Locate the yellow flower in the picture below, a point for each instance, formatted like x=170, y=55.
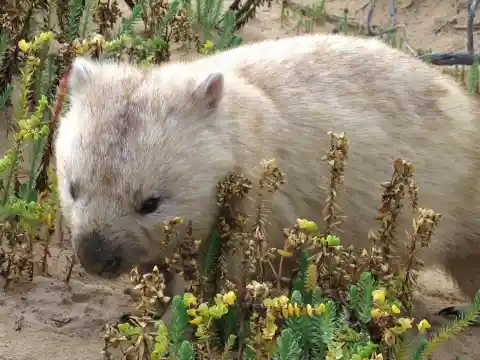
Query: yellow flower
x=203, y=309
x=283, y=300
x=376, y=313
x=320, y=309
x=290, y=309
x=296, y=309
x=201, y=330
x=395, y=309
x=24, y=46
x=206, y=47
x=423, y=325
x=379, y=296
x=284, y=253
x=192, y=312
x=208, y=44
x=285, y=311
x=405, y=323
x=196, y=321
x=189, y=299
x=268, y=302
x=46, y=36
x=269, y=332
x=230, y=298
x=309, y=310
x=309, y=226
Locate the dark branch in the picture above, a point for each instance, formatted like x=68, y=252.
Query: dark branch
x=393, y=11
x=472, y=8
x=370, y=17
x=450, y=58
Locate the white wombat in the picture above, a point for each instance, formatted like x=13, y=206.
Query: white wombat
x=140, y=145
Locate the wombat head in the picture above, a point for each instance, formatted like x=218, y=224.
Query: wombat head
x=137, y=147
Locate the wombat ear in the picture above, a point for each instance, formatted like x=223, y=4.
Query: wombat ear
x=210, y=90
x=81, y=72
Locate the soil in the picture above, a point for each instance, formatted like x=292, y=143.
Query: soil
x=46, y=319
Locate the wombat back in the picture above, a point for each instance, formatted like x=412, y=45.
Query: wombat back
x=282, y=97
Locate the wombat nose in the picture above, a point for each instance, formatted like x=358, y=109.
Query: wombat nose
x=97, y=256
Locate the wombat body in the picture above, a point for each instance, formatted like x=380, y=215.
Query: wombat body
x=141, y=145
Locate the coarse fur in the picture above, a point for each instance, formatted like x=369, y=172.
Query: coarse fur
x=171, y=132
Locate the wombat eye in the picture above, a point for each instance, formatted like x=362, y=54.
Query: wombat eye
x=149, y=205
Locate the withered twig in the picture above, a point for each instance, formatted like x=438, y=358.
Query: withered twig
x=370, y=17
x=472, y=8
x=392, y=10
x=42, y=179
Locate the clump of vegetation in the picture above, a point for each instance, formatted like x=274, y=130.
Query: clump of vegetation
x=341, y=302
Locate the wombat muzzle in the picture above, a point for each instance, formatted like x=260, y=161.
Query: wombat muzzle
x=97, y=256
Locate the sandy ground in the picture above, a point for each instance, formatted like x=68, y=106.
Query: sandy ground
x=46, y=319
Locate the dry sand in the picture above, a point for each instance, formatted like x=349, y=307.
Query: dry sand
x=46, y=319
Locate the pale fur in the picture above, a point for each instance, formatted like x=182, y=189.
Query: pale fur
x=132, y=132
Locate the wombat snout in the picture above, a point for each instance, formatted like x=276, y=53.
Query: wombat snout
x=97, y=256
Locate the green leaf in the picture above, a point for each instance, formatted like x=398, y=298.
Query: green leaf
x=186, y=351
x=178, y=325
x=366, y=285
x=287, y=346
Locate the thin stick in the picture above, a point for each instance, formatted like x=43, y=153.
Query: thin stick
x=392, y=11
x=472, y=8
x=370, y=17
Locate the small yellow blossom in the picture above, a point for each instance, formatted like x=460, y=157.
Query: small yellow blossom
x=379, y=296
x=203, y=309
x=320, y=309
x=309, y=310
x=192, y=312
x=208, y=44
x=196, y=320
x=46, y=36
x=395, y=309
x=283, y=300
x=201, y=330
x=405, y=322
x=285, y=311
x=24, y=46
x=269, y=331
x=270, y=303
x=230, y=298
x=290, y=309
x=423, y=325
x=284, y=253
x=404, y=325
x=376, y=313
x=307, y=225
x=206, y=47
x=296, y=309
x=189, y=300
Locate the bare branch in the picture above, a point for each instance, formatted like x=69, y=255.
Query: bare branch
x=476, y=26
x=392, y=10
x=472, y=8
x=370, y=17
x=452, y=21
x=365, y=4
x=450, y=58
